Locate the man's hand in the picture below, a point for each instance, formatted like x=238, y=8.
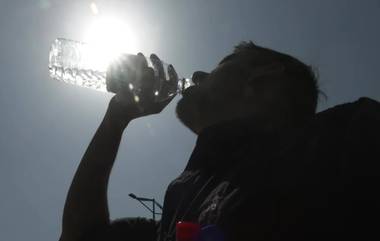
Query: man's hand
x=135, y=100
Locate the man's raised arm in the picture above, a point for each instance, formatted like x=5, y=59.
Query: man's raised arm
x=86, y=207
x=86, y=203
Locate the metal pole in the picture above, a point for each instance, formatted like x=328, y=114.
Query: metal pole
x=154, y=210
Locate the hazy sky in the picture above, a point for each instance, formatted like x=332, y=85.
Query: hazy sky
x=46, y=125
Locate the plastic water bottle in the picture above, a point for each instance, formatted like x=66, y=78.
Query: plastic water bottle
x=84, y=65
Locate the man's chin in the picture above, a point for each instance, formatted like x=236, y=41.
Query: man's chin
x=188, y=113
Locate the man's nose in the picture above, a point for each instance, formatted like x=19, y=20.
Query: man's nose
x=199, y=76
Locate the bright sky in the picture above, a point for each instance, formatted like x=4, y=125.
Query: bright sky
x=46, y=126
x=108, y=37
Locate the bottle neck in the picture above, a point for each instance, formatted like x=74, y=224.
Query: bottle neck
x=184, y=83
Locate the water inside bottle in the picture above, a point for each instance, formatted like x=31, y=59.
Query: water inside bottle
x=75, y=62
x=82, y=64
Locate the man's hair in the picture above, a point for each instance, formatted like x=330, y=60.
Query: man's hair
x=301, y=82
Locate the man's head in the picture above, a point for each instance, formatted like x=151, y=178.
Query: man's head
x=275, y=89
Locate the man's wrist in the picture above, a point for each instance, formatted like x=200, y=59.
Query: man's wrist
x=114, y=122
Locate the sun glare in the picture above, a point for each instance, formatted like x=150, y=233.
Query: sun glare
x=108, y=38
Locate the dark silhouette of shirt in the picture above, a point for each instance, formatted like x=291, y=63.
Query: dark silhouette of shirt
x=314, y=182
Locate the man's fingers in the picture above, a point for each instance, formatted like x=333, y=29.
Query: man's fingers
x=148, y=84
x=160, y=78
x=170, y=86
x=142, y=60
x=158, y=66
x=173, y=79
x=173, y=76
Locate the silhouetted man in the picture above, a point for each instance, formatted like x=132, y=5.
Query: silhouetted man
x=265, y=166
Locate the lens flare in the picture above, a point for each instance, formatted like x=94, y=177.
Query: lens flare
x=94, y=8
x=109, y=37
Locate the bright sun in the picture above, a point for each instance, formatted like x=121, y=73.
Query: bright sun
x=108, y=38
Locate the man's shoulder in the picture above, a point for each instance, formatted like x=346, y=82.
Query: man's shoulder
x=359, y=112
x=366, y=109
x=362, y=105
x=350, y=133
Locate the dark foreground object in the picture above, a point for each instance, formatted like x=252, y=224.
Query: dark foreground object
x=316, y=182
